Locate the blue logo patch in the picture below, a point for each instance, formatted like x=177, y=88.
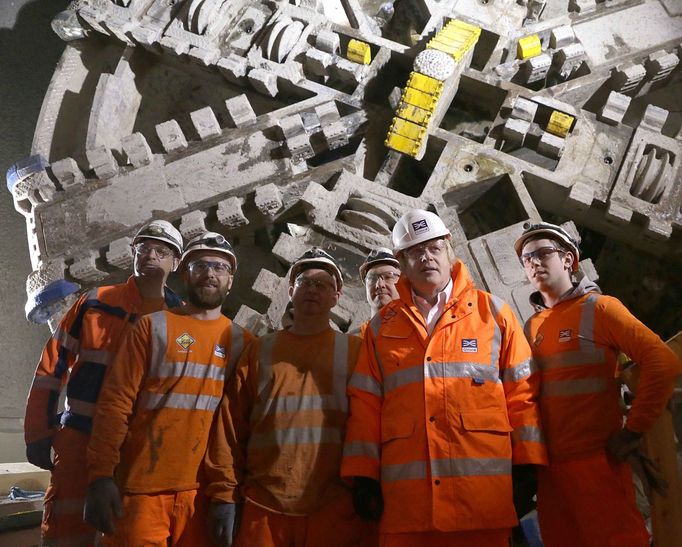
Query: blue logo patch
x=219, y=351
x=420, y=227
x=469, y=345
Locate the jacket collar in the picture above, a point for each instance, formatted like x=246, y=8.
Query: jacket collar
x=581, y=287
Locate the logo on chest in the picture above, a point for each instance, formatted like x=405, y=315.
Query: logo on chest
x=565, y=335
x=219, y=351
x=469, y=345
x=185, y=341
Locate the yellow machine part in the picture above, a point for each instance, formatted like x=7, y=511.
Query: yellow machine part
x=413, y=113
x=529, y=46
x=560, y=123
x=407, y=129
x=359, y=52
x=425, y=83
x=420, y=99
x=402, y=144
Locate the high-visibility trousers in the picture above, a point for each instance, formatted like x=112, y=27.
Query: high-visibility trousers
x=589, y=502
x=335, y=525
x=63, y=523
x=472, y=538
x=166, y=519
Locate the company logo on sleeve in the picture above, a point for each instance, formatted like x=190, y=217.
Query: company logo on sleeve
x=185, y=341
x=420, y=227
x=219, y=351
x=469, y=345
x=565, y=335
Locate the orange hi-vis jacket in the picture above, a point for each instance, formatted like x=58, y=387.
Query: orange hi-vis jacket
x=78, y=354
x=575, y=345
x=440, y=419
x=159, y=399
x=278, y=438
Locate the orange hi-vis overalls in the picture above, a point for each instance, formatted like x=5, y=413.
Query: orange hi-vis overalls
x=77, y=356
x=440, y=419
x=584, y=497
x=278, y=441
x=153, y=419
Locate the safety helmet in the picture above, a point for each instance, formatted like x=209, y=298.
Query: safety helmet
x=551, y=231
x=415, y=227
x=316, y=257
x=380, y=255
x=163, y=231
x=211, y=241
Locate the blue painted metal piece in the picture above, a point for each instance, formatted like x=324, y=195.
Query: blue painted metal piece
x=38, y=306
x=23, y=168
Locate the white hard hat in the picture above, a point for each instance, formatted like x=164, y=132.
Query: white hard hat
x=551, y=231
x=415, y=227
x=211, y=241
x=163, y=231
x=380, y=255
x=316, y=257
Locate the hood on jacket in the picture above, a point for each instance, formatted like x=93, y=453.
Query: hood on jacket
x=580, y=288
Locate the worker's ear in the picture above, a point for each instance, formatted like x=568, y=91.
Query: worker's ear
x=291, y=292
x=176, y=263
x=569, y=259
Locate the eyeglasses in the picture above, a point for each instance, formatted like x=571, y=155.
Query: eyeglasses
x=309, y=283
x=390, y=278
x=145, y=249
x=201, y=267
x=435, y=247
x=542, y=255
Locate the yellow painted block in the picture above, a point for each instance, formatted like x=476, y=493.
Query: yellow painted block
x=359, y=52
x=407, y=129
x=413, y=114
x=434, y=43
x=402, y=144
x=419, y=98
x=560, y=123
x=529, y=46
x=425, y=83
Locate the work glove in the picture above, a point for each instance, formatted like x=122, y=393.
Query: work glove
x=223, y=522
x=623, y=443
x=525, y=486
x=39, y=453
x=367, y=499
x=649, y=473
x=102, y=504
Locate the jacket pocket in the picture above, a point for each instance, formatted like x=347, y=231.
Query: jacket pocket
x=493, y=422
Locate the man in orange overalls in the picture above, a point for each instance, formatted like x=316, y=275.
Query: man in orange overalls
x=586, y=496
x=155, y=411
x=77, y=356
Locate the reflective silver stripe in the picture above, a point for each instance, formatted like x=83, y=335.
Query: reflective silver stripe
x=99, y=356
x=470, y=467
x=47, y=382
x=589, y=353
x=528, y=433
x=403, y=471
x=185, y=401
x=190, y=370
x=68, y=506
x=63, y=338
x=80, y=407
x=403, y=377
x=496, y=304
x=375, y=324
x=236, y=348
x=461, y=370
x=361, y=448
x=340, y=370
x=296, y=435
x=583, y=386
x=366, y=383
x=91, y=294
x=518, y=372
x=265, y=363
x=159, y=334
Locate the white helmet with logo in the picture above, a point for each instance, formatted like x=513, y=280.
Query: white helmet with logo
x=316, y=257
x=380, y=255
x=211, y=241
x=163, y=231
x=417, y=226
x=550, y=231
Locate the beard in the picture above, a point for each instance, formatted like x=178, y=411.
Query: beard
x=207, y=298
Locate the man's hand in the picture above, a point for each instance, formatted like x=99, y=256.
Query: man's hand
x=222, y=522
x=367, y=498
x=102, y=504
x=623, y=443
x=39, y=453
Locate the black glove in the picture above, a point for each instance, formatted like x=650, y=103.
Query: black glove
x=39, y=453
x=102, y=503
x=223, y=522
x=623, y=443
x=525, y=485
x=367, y=499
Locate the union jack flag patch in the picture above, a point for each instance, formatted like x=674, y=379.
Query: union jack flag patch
x=420, y=226
x=469, y=345
x=565, y=335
